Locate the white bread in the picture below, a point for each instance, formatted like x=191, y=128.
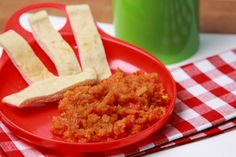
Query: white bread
x=23, y=57
x=53, y=44
x=91, y=50
x=49, y=90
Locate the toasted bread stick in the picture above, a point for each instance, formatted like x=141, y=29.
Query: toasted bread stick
x=23, y=57
x=54, y=45
x=91, y=50
x=49, y=90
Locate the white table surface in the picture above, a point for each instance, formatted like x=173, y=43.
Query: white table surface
x=222, y=145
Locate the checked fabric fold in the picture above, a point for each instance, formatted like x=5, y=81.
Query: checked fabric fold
x=205, y=106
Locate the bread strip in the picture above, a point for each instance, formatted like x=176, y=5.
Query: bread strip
x=23, y=57
x=49, y=90
x=91, y=50
x=54, y=45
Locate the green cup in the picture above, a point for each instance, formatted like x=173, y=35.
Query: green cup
x=166, y=28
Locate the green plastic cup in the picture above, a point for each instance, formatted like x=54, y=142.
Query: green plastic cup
x=169, y=29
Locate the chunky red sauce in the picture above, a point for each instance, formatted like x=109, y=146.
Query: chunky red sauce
x=117, y=107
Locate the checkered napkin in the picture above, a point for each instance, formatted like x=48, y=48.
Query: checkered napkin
x=205, y=106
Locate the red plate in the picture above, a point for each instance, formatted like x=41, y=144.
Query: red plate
x=33, y=124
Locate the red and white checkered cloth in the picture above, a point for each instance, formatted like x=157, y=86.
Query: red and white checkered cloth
x=205, y=106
